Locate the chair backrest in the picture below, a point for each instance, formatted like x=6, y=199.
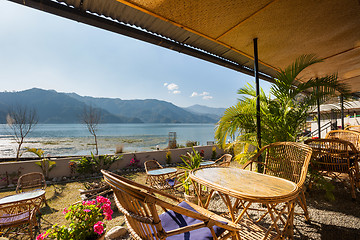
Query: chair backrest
x=350, y=136
x=355, y=128
x=31, y=181
x=140, y=206
x=151, y=165
x=224, y=160
x=332, y=155
x=288, y=160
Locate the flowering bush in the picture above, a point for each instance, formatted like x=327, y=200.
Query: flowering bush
x=86, y=221
x=134, y=162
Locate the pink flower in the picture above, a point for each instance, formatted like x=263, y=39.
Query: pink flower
x=99, y=228
x=101, y=199
x=107, y=211
x=88, y=202
x=42, y=236
x=65, y=211
x=107, y=216
x=87, y=210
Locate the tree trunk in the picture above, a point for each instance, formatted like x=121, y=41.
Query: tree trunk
x=96, y=145
x=18, y=150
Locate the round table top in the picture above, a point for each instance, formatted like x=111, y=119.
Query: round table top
x=207, y=163
x=22, y=196
x=162, y=171
x=244, y=184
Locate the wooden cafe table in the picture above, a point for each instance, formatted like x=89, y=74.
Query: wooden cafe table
x=247, y=188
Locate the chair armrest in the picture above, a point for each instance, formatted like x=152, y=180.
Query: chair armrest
x=251, y=162
x=254, y=158
x=202, y=215
x=219, y=221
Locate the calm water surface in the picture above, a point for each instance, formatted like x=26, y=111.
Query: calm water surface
x=73, y=139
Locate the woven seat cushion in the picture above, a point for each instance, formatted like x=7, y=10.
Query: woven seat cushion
x=171, y=220
x=9, y=219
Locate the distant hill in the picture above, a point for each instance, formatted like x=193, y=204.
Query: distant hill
x=55, y=107
x=52, y=107
x=148, y=110
x=200, y=109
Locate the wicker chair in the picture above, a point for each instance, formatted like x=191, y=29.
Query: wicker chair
x=30, y=181
x=140, y=206
x=18, y=214
x=164, y=181
x=350, y=136
x=355, y=128
x=333, y=157
x=288, y=160
x=224, y=160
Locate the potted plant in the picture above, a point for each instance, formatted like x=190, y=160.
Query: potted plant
x=86, y=221
x=191, y=161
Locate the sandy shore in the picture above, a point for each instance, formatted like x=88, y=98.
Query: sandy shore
x=82, y=145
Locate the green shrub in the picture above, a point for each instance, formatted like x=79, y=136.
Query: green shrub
x=92, y=164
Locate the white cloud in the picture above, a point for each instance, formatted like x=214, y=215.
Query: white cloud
x=194, y=94
x=204, y=95
x=172, y=86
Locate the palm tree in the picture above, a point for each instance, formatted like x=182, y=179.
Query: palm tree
x=283, y=112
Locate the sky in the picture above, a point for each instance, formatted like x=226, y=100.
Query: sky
x=45, y=51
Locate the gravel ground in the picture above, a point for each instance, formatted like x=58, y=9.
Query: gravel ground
x=330, y=220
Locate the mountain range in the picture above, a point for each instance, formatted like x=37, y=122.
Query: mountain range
x=56, y=107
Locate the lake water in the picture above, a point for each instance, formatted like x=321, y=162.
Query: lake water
x=75, y=139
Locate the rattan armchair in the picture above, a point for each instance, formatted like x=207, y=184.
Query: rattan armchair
x=224, y=160
x=350, y=136
x=31, y=181
x=288, y=160
x=161, y=181
x=16, y=215
x=186, y=220
x=333, y=157
x=355, y=128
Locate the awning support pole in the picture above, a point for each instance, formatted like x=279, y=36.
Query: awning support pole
x=318, y=114
x=256, y=71
x=342, y=112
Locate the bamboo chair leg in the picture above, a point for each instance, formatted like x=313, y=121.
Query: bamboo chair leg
x=302, y=202
x=352, y=185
